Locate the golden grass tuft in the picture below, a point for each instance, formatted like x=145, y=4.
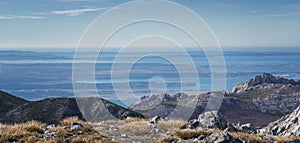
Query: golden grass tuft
x=132, y=119
x=138, y=128
x=286, y=139
x=30, y=132
x=171, y=125
x=169, y=139
x=69, y=121
x=189, y=134
x=249, y=137
x=19, y=132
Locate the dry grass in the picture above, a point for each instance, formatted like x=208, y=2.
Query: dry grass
x=286, y=139
x=131, y=119
x=171, y=125
x=137, y=128
x=20, y=132
x=170, y=139
x=30, y=132
x=249, y=137
x=190, y=134
x=69, y=121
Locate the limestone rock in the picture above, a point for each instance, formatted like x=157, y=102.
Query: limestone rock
x=76, y=126
x=212, y=119
x=219, y=137
x=288, y=125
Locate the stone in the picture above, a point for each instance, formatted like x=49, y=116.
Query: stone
x=76, y=126
x=220, y=137
x=155, y=120
x=212, y=119
x=50, y=126
x=246, y=128
x=124, y=136
x=50, y=135
x=193, y=124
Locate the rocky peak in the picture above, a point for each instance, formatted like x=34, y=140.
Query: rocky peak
x=152, y=101
x=262, y=79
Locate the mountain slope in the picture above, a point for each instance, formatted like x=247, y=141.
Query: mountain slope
x=9, y=102
x=53, y=110
x=50, y=110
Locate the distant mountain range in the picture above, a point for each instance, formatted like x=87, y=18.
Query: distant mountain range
x=261, y=100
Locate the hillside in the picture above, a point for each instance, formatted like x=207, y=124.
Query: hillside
x=8, y=102
x=53, y=110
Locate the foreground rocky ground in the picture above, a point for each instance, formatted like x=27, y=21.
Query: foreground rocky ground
x=209, y=127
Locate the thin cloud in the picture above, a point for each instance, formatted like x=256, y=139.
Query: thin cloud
x=3, y=17
x=76, y=12
x=38, y=13
x=286, y=14
x=253, y=11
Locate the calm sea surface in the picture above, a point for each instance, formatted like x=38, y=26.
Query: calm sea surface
x=43, y=74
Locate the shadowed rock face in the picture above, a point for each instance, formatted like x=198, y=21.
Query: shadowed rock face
x=288, y=125
x=261, y=100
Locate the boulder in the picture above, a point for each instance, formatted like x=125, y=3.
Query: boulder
x=219, y=137
x=154, y=120
x=76, y=126
x=246, y=128
x=50, y=126
x=193, y=124
x=212, y=119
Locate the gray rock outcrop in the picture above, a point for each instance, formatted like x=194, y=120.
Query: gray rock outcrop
x=288, y=125
x=212, y=119
x=218, y=137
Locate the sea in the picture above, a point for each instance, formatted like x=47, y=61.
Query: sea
x=35, y=74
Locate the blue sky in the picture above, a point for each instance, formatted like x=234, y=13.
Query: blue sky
x=236, y=23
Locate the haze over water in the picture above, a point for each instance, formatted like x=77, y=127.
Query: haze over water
x=43, y=74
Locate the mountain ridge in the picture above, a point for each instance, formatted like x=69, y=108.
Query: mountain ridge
x=53, y=110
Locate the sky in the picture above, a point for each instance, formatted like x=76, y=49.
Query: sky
x=235, y=23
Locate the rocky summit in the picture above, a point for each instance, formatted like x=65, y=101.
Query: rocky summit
x=262, y=81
